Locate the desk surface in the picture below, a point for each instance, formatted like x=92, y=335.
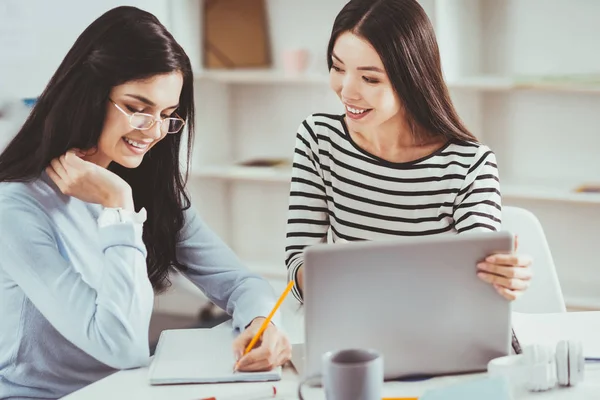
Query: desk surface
x=133, y=384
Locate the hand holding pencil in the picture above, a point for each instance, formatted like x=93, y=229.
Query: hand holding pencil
x=261, y=346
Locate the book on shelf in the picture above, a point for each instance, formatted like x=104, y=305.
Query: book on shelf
x=588, y=188
x=267, y=162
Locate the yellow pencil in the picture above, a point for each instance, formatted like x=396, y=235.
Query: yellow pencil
x=267, y=320
x=400, y=398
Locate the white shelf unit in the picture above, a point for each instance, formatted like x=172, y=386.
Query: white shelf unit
x=543, y=132
x=239, y=173
x=484, y=83
x=260, y=76
x=548, y=192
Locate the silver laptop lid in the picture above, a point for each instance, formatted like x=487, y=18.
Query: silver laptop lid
x=416, y=300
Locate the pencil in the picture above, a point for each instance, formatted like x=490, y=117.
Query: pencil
x=267, y=320
x=400, y=398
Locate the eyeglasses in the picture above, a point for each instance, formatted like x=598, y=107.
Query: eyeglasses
x=143, y=122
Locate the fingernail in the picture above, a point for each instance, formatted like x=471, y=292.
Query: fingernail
x=481, y=275
x=481, y=265
x=491, y=259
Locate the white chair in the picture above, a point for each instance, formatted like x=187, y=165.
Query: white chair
x=544, y=295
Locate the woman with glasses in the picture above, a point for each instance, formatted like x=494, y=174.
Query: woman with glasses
x=94, y=214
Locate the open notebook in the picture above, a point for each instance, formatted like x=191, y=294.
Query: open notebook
x=199, y=356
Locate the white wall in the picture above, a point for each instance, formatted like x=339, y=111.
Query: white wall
x=35, y=35
x=541, y=36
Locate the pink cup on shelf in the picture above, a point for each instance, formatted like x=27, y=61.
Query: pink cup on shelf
x=295, y=61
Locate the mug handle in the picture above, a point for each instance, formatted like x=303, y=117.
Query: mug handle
x=303, y=382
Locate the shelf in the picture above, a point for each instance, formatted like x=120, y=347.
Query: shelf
x=544, y=192
x=482, y=83
x=240, y=173
x=498, y=83
x=486, y=83
x=582, y=303
x=259, y=76
x=548, y=192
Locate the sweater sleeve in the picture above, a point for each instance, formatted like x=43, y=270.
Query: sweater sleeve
x=109, y=319
x=308, y=216
x=478, y=204
x=217, y=271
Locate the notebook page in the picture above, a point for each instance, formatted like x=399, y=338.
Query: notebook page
x=199, y=356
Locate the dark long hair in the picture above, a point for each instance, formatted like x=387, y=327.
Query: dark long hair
x=122, y=45
x=402, y=35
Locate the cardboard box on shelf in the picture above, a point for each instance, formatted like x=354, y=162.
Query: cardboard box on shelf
x=236, y=34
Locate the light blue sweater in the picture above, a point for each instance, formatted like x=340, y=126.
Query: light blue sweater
x=75, y=299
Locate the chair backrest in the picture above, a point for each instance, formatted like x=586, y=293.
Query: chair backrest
x=544, y=295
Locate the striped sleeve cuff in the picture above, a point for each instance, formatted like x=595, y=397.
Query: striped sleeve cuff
x=293, y=275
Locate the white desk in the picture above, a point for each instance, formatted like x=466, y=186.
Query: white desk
x=132, y=384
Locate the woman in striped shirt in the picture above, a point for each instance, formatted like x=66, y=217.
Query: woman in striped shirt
x=399, y=162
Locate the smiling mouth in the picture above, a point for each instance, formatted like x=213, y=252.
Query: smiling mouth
x=357, y=113
x=136, y=145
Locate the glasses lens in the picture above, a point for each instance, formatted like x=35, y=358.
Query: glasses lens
x=141, y=121
x=173, y=125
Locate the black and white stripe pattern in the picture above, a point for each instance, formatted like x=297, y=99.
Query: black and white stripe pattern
x=338, y=187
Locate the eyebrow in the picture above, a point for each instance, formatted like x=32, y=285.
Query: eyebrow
x=148, y=101
x=369, y=68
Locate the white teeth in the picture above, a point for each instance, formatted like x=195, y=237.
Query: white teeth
x=136, y=144
x=355, y=110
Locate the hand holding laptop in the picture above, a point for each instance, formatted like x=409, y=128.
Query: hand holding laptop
x=508, y=273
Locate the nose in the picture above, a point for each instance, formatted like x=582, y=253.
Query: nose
x=155, y=131
x=349, y=89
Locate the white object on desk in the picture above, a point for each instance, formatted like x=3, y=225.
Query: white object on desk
x=496, y=388
x=199, y=356
x=541, y=367
x=261, y=394
x=551, y=328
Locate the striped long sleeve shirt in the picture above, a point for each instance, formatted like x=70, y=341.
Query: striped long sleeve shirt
x=341, y=192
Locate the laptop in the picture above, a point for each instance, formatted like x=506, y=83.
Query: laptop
x=418, y=301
